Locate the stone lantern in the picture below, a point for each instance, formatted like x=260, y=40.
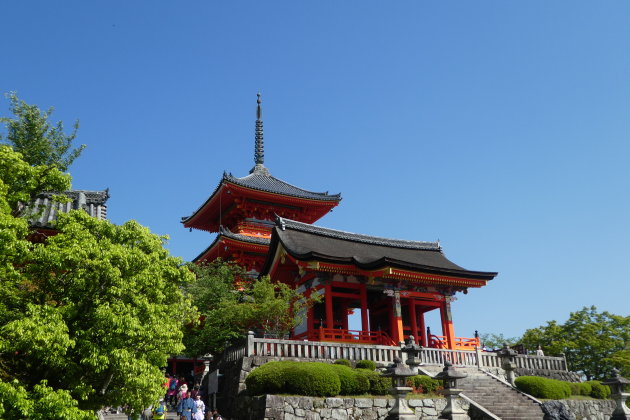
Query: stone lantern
x=413, y=352
x=399, y=372
x=449, y=377
x=617, y=386
x=508, y=362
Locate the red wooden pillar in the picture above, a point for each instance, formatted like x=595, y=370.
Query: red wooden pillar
x=414, y=319
x=329, y=307
x=447, y=324
x=364, y=309
x=397, y=331
x=423, y=331
x=344, y=310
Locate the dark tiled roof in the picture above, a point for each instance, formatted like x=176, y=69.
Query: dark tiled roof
x=260, y=179
x=308, y=242
x=223, y=232
x=283, y=224
x=261, y=240
x=44, y=210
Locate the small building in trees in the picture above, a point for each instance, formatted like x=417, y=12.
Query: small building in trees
x=43, y=210
x=266, y=225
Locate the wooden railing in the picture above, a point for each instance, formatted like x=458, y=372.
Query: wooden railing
x=307, y=349
x=349, y=336
x=461, y=343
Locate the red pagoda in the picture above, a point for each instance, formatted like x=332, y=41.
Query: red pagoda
x=243, y=210
x=265, y=225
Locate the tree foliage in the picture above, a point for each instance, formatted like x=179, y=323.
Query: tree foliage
x=88, y=318
x=496, y=341
x=38, y=140
x=231, y=303
x=593, y=342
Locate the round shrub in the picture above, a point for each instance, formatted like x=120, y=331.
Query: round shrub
x=268, y=379
x=598, y=390
x=379, y=384
x=580, y=388
x=543, y=387
x=427, y=383
x=352, y=382
x=312, y=379
x=343, y=362
x=366, y=364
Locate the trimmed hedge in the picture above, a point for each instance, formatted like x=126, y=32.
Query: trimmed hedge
x=379, y=384
x=312, y=379
x=352, y=383
x=580, y=388
x=427, y=383
x=343, y=362
x=543, y=387
x=269, y=378
x=366, y=364
x=598, y=390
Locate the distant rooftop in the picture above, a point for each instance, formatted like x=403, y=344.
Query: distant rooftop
x=44, y=209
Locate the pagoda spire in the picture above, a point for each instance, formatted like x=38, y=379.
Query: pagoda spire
x=259, y=146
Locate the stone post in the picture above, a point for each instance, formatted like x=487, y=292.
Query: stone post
x=449, y=377
x=508, y=362
x=250, y=343
x=617, y=386
x=399, y=372
x=478, y=355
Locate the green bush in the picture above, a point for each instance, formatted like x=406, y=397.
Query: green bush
x=352, y=382
x=269, y=378
x=427, y=383
x=543, y=387
x=366, y=364
x=379, y=384
x=598, y=390
x=580, y=388
x=343, y=362
x=312, y=379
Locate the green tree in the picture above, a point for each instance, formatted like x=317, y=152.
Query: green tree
x=88, y=318
x=40, y=142
x=231, y=303
x=496, y=341
x=593, y=342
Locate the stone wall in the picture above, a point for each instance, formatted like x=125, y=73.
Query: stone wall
x=578, y=409
x=274, y=407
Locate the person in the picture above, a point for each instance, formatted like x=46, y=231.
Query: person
x=183, y=391
x=159, y=411
x=539, y=351
x=186, y=407
x=201, y=408
x=172, y=391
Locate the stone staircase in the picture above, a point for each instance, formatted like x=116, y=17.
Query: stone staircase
x=499, y=398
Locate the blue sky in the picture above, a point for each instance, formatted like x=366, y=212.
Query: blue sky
x=500, y=128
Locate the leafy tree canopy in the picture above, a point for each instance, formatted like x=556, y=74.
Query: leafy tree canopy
x=38, y=140
x=496, y=341
x=88, y=318
x=231, y=303
x=593, y=342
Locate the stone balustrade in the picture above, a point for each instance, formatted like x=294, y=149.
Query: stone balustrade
x=296, y=349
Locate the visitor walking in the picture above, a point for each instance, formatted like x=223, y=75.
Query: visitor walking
x=201, y=407
x=186, y=407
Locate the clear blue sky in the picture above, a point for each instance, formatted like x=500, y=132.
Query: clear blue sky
x=500, y=128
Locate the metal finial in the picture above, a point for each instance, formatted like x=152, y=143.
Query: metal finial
x=259, y=150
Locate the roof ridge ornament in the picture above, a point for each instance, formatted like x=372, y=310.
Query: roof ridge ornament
x=259, y=145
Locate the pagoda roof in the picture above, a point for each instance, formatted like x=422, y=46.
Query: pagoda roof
x=307, y=242
x=226, y=233
x=43, y=210
x=259, y=180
